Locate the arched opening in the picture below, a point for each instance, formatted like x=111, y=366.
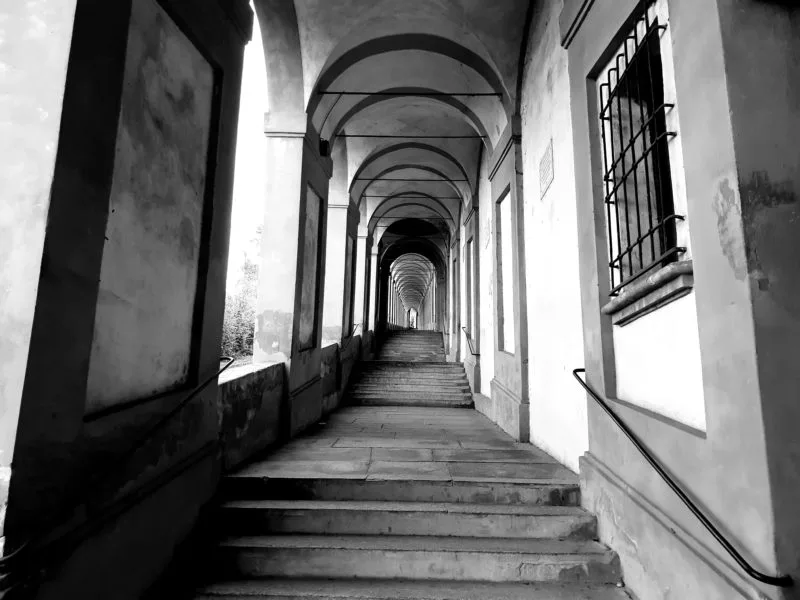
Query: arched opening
x=247, y=212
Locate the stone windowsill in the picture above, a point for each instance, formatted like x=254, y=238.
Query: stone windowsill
x=654, y=291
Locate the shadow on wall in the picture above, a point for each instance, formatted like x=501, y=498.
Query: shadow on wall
x=252, y=404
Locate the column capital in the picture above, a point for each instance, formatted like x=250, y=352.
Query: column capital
x=283, y=124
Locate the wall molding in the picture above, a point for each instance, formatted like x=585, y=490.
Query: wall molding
x=571, y=18
x=699, y=550
x=511, y=135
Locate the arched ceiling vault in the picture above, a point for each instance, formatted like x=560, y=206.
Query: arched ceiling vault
x=419, y=91
x=412, y=274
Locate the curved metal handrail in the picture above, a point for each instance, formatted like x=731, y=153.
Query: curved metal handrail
x=8, y=561
x=777, y=581
x=469, y=342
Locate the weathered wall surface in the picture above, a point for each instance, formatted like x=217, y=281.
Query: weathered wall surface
x=252, y=410
x=34, y=48
x=149, y=274
x=485, y=292
x=555, y=327
x=330, y=374
x=154, y=491
x=761, y=41
x=726, y=467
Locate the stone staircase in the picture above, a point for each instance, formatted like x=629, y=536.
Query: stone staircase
x=413, y=345
x=411, y=370
x=406, y=502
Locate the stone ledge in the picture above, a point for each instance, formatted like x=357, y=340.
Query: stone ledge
x=662, y=287
x=673, y=558
x=505, y=410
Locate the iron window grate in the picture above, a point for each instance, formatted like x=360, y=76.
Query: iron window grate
x=636, y=169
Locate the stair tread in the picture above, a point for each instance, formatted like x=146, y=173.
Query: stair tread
x=410, y=543
x=366, y=589
x=440, y=507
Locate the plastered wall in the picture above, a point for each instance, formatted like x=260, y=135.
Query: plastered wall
x=148, y=280
x=31, y=92
x=555, y=327
x=486, y=266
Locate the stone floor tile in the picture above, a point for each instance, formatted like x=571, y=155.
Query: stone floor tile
x=402, y=454
x=307, y=470
x=472, y=471
x=488, y=455
x=291, y=454
x=429, y=471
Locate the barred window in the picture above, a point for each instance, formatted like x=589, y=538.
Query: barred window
x=636, y=163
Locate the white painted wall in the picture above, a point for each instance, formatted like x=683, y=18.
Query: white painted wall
x=658, y=363
x=558, y=422
x=486, y=288
x=35, y=38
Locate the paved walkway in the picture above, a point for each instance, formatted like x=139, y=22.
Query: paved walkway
x=399, y=443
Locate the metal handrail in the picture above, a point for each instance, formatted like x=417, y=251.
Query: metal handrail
x=469, y=342
x=783, y=581
x=8, y=561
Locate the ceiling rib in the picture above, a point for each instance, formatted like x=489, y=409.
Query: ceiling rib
x=410, y=93
x=410, y=137
x=443, y=180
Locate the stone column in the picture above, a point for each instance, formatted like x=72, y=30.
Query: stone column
x=360, y=275
x=37, y=75
x=390, y=316
x=333, y=310
x=371, y=303
x=88, y=267
x=342, y=222
x=292, y=277
x=275, y=305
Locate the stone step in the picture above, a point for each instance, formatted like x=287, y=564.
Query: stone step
x=415, y=392
x=413, y=357
x=548, y=492
x=366, y=589
x=410, y=388
x=444, y=375
x=417, y=557
x=395, y=380
x=427, y=394
x=464, y=403
x=416, y=365
x=412, y=372
x=257, y=517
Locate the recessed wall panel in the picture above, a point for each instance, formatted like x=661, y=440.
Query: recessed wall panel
x=148, y=282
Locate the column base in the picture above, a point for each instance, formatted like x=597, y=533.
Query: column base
x=472, y=365
x=505, y=409
x=305, y=406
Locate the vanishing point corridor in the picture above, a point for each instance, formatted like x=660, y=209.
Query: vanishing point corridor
x=408, y=500
x=399, y=299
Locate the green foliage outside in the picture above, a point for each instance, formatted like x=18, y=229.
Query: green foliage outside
x=240, y=309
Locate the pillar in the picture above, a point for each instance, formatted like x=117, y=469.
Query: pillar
x=291, y=283
x=371, y=303
x=342, y=222
x=275, y=306
x=360, y=273
x=112, y=263
x=510, y=407
x=37, y=76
